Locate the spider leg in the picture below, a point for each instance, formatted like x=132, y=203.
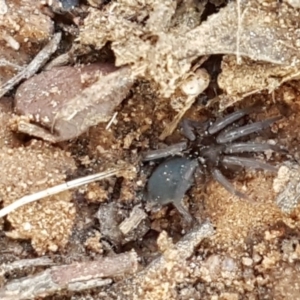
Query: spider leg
x=252, y=147
x=251, y=163
x=168, y=151
x=236, y=133
x=219, y=177
x=224, y=122
x=182, y=210
x=187, y=127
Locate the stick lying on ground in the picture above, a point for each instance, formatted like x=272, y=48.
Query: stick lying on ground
x=74, y=277
x=41, y=58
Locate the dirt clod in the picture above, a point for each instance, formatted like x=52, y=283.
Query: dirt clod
x=31, y=169
x=120, y=79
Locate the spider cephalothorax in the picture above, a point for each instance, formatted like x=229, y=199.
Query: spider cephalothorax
x=214, y=148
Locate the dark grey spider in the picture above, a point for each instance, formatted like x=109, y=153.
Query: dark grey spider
x=213, y=144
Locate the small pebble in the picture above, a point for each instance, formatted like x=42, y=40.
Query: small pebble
x=247, y=261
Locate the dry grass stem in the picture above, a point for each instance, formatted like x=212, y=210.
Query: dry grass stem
x=111, y=121
x=57, y=189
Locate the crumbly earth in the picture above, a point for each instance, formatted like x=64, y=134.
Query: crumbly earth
x=255, y=251
x=253, y=243
x=241, y=80
x=7, y=138
x=30, y=169
x=24, y=29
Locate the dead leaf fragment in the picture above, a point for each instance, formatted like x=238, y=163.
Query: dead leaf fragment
x=65, y=101
x=266, y=34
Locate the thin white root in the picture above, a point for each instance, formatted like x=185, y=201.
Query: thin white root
x=57, y=189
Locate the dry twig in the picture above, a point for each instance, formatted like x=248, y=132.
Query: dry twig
x=74, y=277
x=25, y=263
x=34, y=65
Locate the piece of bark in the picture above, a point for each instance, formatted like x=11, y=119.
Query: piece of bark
x=70, y=277
x=137, y=215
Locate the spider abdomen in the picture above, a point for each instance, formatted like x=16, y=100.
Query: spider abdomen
x=170, y=181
